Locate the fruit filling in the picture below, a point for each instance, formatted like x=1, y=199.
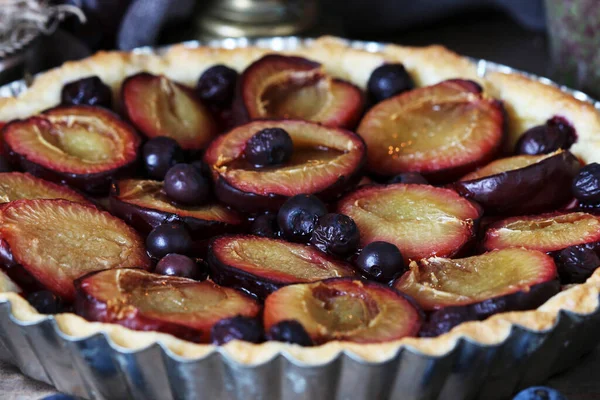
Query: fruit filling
x=144, y=301
x=295, y=88
x=549, y=232
x=22, y=186
x=145, y=205
x=439, y=131
x=57, y=241
x=323, y=160
x=158, y=106
x=262, y=265
x=344, y=309
x=440, y=282
x=82, y=145
x=420, y=220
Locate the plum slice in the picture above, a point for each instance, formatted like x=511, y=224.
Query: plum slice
x=507, y=279
x=158, y=106
x=145, y=301
x=262, y=265
x=345, y=309
x=522, y=184
x=277, y=86
x=144, y=205
x=57, y=241
x=325, y=161
x=441, y=131
x=420, y=220
x=83, y=146
x=546, y=232
x=22, y=186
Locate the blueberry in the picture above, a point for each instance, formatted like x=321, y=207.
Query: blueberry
x=270, y=146
x=387, y=81
x=443, y=320
x=186, y=185
x=336, y=234
x=266, y=226
x=539, y=393
x=381, y=261
x=544, y=139
x=169, y=238
x=179, y=265
x=290, y=331
x=586, y=185
x=46, y=302
x=576, y=264
x=409, y=177
x=90, y=91
x=299, y=215
x=216, y=86
x=240, y=328
x=160, y=154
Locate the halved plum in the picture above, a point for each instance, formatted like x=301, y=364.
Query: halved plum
x=262, y=265
x=157, y=106
x=145, y=301
x=503, y=280
x=522, y=184
x=57, y=241
x=325, y=162
x=21, y=186
x=345, y=309
x=546, y=232
x=83, y=146
x=144, y=205
x=441, y=131
x=7, y=285
x=421, y=220
x=278, y=86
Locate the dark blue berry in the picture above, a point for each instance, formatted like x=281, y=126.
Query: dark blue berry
x=387, y=81
x=186, y=185
x=45, y=302
x=409, y=177
x=576, y=264
x=169, y=238
x=266, y=226
x=90, y=91
x=179, y=265
x=290, y=331
x=216, y=86
x=539, y=393
x=270, y=146
x=240, y=328
x=544, y=139
x=586, y=185
x=160, y=154
x=381, y=261
x=299, y=215
x=336, y=234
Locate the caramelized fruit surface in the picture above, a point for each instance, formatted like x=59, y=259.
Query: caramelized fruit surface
x=448, y=127
x=142, y=300
x=23, y=186
x=548, y=232
x=74, y=139
x=58, y=241
x=295, y=88
x=344, y=309
x=438, y=282
x=421, y=220
x=160, y=107
x=240, y=260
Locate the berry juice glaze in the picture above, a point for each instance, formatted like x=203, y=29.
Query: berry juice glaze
x=574, y=32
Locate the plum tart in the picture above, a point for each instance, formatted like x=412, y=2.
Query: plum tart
x=260, y=203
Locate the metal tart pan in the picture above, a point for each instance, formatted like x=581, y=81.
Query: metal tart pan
x=95, y=367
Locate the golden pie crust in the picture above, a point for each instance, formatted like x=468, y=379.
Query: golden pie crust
x=527, y=102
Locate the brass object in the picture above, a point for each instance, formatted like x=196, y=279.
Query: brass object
x=254, y=18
